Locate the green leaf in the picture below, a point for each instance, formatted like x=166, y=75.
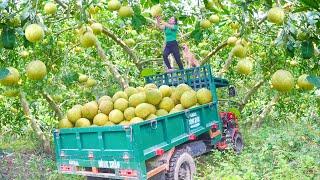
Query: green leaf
x=8, y=38
x=4, y=72
x=148, y=72
x=314, y=80
x=70, y=78
x=311, y=3
x=236, y=111
x=290, y=49
x=307, y=49
x=155, y=1
x=197, y=34
x=138, y=21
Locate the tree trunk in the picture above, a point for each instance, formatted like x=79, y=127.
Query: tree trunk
x=124, y=84
x=34, y=124
x=257, y=124
x=248, y=95
x=53, y=105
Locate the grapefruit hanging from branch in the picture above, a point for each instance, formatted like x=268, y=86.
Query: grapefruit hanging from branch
x=303, y=83
x=36, y=70
x=282, y=81
x=50, y=8
x=34, y=33
x=114, y=5
x=125, y=11
x=156, y=10
x=12, y=78
x=276, y=15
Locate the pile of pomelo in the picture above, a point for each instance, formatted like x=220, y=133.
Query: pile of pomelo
x=134, y=105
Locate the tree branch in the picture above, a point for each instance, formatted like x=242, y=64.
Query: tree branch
x=124, y=84
x=250, y=93
x=61, y=4
x=226, y=65
x=34, y=124
x=265, y=112
x=53, y=105
x=126, y=48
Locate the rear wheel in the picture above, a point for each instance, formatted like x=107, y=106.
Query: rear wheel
x=181, y=167
x=238, y=143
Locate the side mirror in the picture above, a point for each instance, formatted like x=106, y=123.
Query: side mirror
x=232, y=91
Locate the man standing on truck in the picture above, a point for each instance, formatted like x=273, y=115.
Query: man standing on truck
x=170, y=29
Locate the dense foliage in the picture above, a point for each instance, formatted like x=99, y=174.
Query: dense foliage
x=108, y=45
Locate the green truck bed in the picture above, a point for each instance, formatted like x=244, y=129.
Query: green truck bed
x=111, y=151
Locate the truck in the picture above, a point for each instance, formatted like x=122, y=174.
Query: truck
x=161, y=148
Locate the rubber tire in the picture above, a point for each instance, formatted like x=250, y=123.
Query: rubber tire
x=179, y=157
x=238, y=143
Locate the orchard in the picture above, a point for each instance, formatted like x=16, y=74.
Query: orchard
x=76, y=64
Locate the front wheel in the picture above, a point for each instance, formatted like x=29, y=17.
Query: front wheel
x=181, y=167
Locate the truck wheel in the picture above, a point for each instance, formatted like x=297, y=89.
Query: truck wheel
x=238, y=143
x=181, y=167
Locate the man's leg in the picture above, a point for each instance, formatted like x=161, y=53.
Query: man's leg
x=176, y=54
x=166, y=53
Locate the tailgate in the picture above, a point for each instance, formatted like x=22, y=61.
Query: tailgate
x=108, y=149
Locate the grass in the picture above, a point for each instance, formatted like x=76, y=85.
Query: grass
x=289, y=151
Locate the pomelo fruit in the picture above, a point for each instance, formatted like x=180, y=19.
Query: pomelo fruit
x=74, y=114
x=188, y=99
x=121, y=104
x=82, y=122
x=161, y=112
x=244, y=66
x=165, y=90
x=214, y=18
x=154, y=96
x=130, y=91
x=143, y=110
x=34, y=33
x=137, y=99
x=282, y=81
x=116, y=116
x=114, y=5
x=125, y=11
x=36, y=70
x=109, y=123
x=239, y=51
x=130, y=42
x=151, y=116
x=232, y=40
x=156, y=10
x=83, y=78
x=91, y=82
x=12, y=78
x=104, y=98
x=276, y=15
x=166, y=104
x=88, y=39
x=150, y=86
x=65, y=123
x=303, y=83
x=204, y=96
x=50, y=8
x=96, y=28
x=205, y=24
x=100, y=119
x=136, y=120
x=129, y=113
x=89, y=110
x=119, y=94
x=106, y=106
x=125, y=123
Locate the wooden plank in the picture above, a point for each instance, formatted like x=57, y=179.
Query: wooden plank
x=156, y=170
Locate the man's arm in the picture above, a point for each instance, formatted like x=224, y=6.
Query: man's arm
x=159, y=25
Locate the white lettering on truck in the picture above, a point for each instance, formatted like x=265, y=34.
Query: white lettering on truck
x=109, y=164
x=194, y=120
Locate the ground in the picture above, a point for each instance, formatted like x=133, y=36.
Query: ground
x=272, y=152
